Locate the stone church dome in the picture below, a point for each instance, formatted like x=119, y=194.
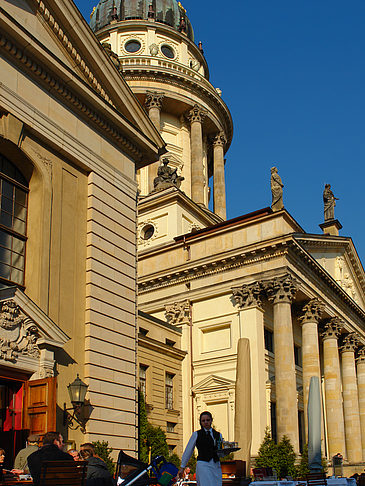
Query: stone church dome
x=169, y=12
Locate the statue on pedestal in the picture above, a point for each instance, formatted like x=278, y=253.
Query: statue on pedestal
x=276, y=190
x=166, y=177
x=329, y=201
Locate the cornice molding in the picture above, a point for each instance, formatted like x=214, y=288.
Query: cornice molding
x=53, y=82
x=71, y=49
x=157, y=346
x=171, y=78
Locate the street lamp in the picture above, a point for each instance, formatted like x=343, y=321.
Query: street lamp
x=77, y=392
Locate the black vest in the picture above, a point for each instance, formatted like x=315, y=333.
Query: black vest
x=205, y=445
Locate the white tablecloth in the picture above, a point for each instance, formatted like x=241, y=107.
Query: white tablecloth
x=330, y=482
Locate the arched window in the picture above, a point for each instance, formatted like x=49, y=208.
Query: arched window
x=13, y=223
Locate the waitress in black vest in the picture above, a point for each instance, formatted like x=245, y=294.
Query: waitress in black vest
x=207, y=441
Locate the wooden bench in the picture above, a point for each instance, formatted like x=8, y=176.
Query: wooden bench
x=63, y=473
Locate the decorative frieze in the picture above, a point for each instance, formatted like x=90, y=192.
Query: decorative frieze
x=18, y=333
x=281, y=289
x=312, y=311
x=248, y=295
x=196, y=114
x=178, y=313
x=154, y=99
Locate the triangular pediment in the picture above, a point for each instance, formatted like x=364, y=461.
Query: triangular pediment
x=213, y=383
x=61, y=45
x=24, y=323
x=338, y=257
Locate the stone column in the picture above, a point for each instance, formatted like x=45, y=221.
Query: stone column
x=351, y=400
x=153, y=105
x=219, y=185
x=248, y=299
x=361, y=390
x=310, y=350
x=332, y=387
x=280, y=292
x=196, y=116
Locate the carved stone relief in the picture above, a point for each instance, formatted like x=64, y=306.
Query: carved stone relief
x=248, y=295
x=18, y=333
x=178, y=313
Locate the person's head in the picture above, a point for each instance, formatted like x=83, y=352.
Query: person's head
x=74, y=453
x=2, y=456
x=33, y=439
x=87, y=445
x=86, y=451
x=206, y=420
x=53, y=438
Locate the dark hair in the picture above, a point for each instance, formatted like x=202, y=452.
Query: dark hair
x=88, y=445
x=205, y=413
x=86, y=453
x=50, y=437
x=2, y=451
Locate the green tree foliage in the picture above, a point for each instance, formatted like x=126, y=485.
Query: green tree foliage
x=175, y=459
x=286, y=457
x=267, y=451
x=280, y=457
x=103, y=450
x=303, y=466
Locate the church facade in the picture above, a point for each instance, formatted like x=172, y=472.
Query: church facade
x=297, y=299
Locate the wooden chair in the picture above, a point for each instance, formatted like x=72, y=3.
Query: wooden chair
x=63, y=473
x=316, y=479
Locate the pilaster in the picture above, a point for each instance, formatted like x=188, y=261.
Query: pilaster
x=351, y=400
x=251, y=318
x=179, y=314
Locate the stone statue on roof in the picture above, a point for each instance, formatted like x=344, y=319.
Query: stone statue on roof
x=329, y=201
x=166, y=177
x=276, y=190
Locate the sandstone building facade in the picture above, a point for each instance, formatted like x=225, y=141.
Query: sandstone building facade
x=71, y=138
x=297, y=298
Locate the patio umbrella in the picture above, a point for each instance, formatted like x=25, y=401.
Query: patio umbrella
x=242, y=418
x=314, y=426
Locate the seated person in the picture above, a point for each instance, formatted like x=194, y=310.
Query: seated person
x=4, y=473
x=74, y=454
x=51, y=451
x=97, y=471
x=21, y=460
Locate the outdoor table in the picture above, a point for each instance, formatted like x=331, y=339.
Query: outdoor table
x=330, y=482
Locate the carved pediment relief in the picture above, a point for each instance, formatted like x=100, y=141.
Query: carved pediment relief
x=18, y=333
x=27, y=335
x=344, y=278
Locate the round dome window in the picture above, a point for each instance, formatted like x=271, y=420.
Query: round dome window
x=168, y=51
x=147, y=232
x=132, y=46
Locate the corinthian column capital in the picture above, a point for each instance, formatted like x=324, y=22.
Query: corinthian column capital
x=350, y=343
x=248, y=295
x=178, y=313
x=154, y=100
x=196, y=114
x=312, y=311
x=361, y=356
x=281, y=289
x=220, y=139
x=332, y=329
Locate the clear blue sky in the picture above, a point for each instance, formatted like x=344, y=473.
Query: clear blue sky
x=292, y=73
